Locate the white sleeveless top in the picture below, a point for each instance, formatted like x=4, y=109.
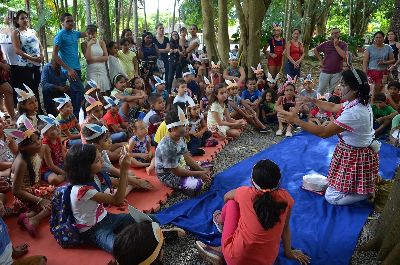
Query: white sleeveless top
x=29, y=44
x=98, y=71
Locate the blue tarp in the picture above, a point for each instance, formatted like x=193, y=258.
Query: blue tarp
x=327, y=233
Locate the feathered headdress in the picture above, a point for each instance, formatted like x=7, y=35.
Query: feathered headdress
x=215, y=66
x=190, y=71
x=273, y=80
x=277, y=26
x=289, y=80
x=110, y=102
x=21, y=135
x=258, y=70
x=97, y=129
x=62, y=101
x=231, y=84
x=308, y=79
x=233, y=57
x=93, y=102
x=195, y=58
x=158, y=80
x=23, y=95
x=50, y=121
x=93, y=86
x=182, y=120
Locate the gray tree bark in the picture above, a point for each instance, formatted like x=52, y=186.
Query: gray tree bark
x=223, y=35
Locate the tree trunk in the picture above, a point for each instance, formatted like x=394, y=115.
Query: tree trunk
x=288, y=24
x=28, y=7
x=361, y=15
x=386, y=238
x=88, y=12
x=145, y=15
x=208, y=29
x=62, y=6
x=223, y=35
x=135, y=21
x=158, y=12
x=103, y=19
x=306, y=25
x=128, y=19
x=75, y=10
x=42, y=31
x=173, y=17
x=66, y=6
x=322, y=20
x=395, y=22
x=117, y=15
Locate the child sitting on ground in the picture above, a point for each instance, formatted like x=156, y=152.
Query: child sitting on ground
x=31, y=200
x=215, y=74
x=53, y=152
x=28, y=106
x=273, y=83
x=319, y=116
x=240, y=109
x=116, y=125
x=155, y=116
x=139, y=89
x=98, y=135
x=8, y=150
x=392, y=94
x=251, y=95
x=288, y=102
x=206, y=98
x=82, y=163
x=182, y=99
x=160, y=89
x=267, y=107
x=189, y=78
x=218, y=118
x=383, y=114
x=139, y=146
x=169, y=154
x=260, y=76
x=256, y=217
x=308, y=91
x=68, y=123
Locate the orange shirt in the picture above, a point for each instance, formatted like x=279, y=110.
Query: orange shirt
x=251, y=243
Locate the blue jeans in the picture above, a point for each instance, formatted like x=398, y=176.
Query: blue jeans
x=103, y=233
x=77, y=92
x=118, y=137
x=290, y=70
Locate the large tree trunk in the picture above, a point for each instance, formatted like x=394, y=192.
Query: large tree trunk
x=173, y=17
x=251, y=15
x=288, y=21
x=75, y=10
x=103, y=19
x=208, y=29
x=395, y=22
x=117, y=14
x=158, y=12
x=223, y=35
x=42, y=31
x=88, y=12
x=66, y=6
x=145, y=15
x=387, y=234
x=62, y=6
x=135, y=21
x=361, y=15
x=28, y=7
x=128, y=20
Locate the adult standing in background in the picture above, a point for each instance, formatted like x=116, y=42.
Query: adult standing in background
x=162, y=44
x=276, y=46
x=295, y=54
x=193, y=42
x=29, y=52
x=392, y=40
x=65, y=53
x=377, y=58
x=95, y=52
x=175, y=55
x=335, y=51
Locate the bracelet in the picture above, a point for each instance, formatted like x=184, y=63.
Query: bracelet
x=39, y=201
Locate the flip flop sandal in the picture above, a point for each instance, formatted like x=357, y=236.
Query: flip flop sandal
x=209, y=254
x=217, y=224
x=21, y=217
x=29, y=227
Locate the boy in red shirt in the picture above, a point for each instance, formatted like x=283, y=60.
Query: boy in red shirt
x=114, y=121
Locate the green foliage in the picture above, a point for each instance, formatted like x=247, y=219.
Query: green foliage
x=315, y=41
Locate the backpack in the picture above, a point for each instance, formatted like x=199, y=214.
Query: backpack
x=62, y=221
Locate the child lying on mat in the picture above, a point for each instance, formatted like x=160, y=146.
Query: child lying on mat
x=170, y=167
x=256, y=217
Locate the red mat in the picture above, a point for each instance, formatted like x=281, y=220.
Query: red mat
x=45, y=244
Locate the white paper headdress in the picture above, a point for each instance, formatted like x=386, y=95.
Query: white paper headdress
x=190, y=71
x=258, y=70
x=231, y=84
x=23, y=95
x=182, y=120
x=21, y=135
x=97, y=129
x=50, y=121
x=62, y=101
x=110, y=102
x=93, y=102
x=158, y=80
x=273, y=80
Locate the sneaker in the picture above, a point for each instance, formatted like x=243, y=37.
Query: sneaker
x=279, y=132
x=289, y=134
x=209, y=254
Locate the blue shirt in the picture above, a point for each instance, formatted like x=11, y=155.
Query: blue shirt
x=4, y=237
x=50, y=79
x=251, y=96
x=195, y=88
x=67, y=42
x=165, y=94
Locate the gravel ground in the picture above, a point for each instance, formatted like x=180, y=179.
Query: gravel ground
x=182, y=250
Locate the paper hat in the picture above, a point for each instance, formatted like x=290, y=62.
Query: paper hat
x=215, y=66
x=23, y=95
x=158, y=80
x=195, y=58
x=207, y=82
x=182, y=120
x=258, y=70
x=93, y=86
x=231, y=84
x=2, y=114
x=233, y=57
x=50, y=121
x=308, y=79
x=21, y=135
x=289, y=80
x=110, y=102
x=97, y=129
x=190, y=71
x=93, y=102
x=324, y=96
x=277, y=26
x=62, y=101
x=273, y=80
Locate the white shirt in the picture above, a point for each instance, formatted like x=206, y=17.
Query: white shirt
x=184, y=99
x=8, y=49
x=86, y=211
x=357, y=120
x=148, y=115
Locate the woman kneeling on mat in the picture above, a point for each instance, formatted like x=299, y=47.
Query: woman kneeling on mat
x=355, y=161
x=256, y=217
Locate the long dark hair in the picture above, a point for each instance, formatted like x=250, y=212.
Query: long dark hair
x=78, y=161
x=362, y=89
x=386, y=41
x=174, y=43
x=214, y=93
x=145, y=34
x=266, y=175
x=19, y=13
x=273, y=94
x=27, y=156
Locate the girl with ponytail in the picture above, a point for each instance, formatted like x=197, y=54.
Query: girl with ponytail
x=253, y=221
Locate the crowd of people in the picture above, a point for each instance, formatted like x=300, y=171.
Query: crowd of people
x=67, y=130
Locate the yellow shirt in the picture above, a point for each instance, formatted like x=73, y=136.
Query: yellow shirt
x=162, y=131
x=126, y=61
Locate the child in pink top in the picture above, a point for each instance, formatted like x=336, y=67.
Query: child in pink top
x=256, y=217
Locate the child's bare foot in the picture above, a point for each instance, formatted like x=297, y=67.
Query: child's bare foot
x=148, y=170
x=19, y=251
x=138, y=183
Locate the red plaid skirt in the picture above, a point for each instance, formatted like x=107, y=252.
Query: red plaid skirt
x=353, y=169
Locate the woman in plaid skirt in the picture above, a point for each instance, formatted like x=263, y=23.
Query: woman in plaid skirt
x=355, y=161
